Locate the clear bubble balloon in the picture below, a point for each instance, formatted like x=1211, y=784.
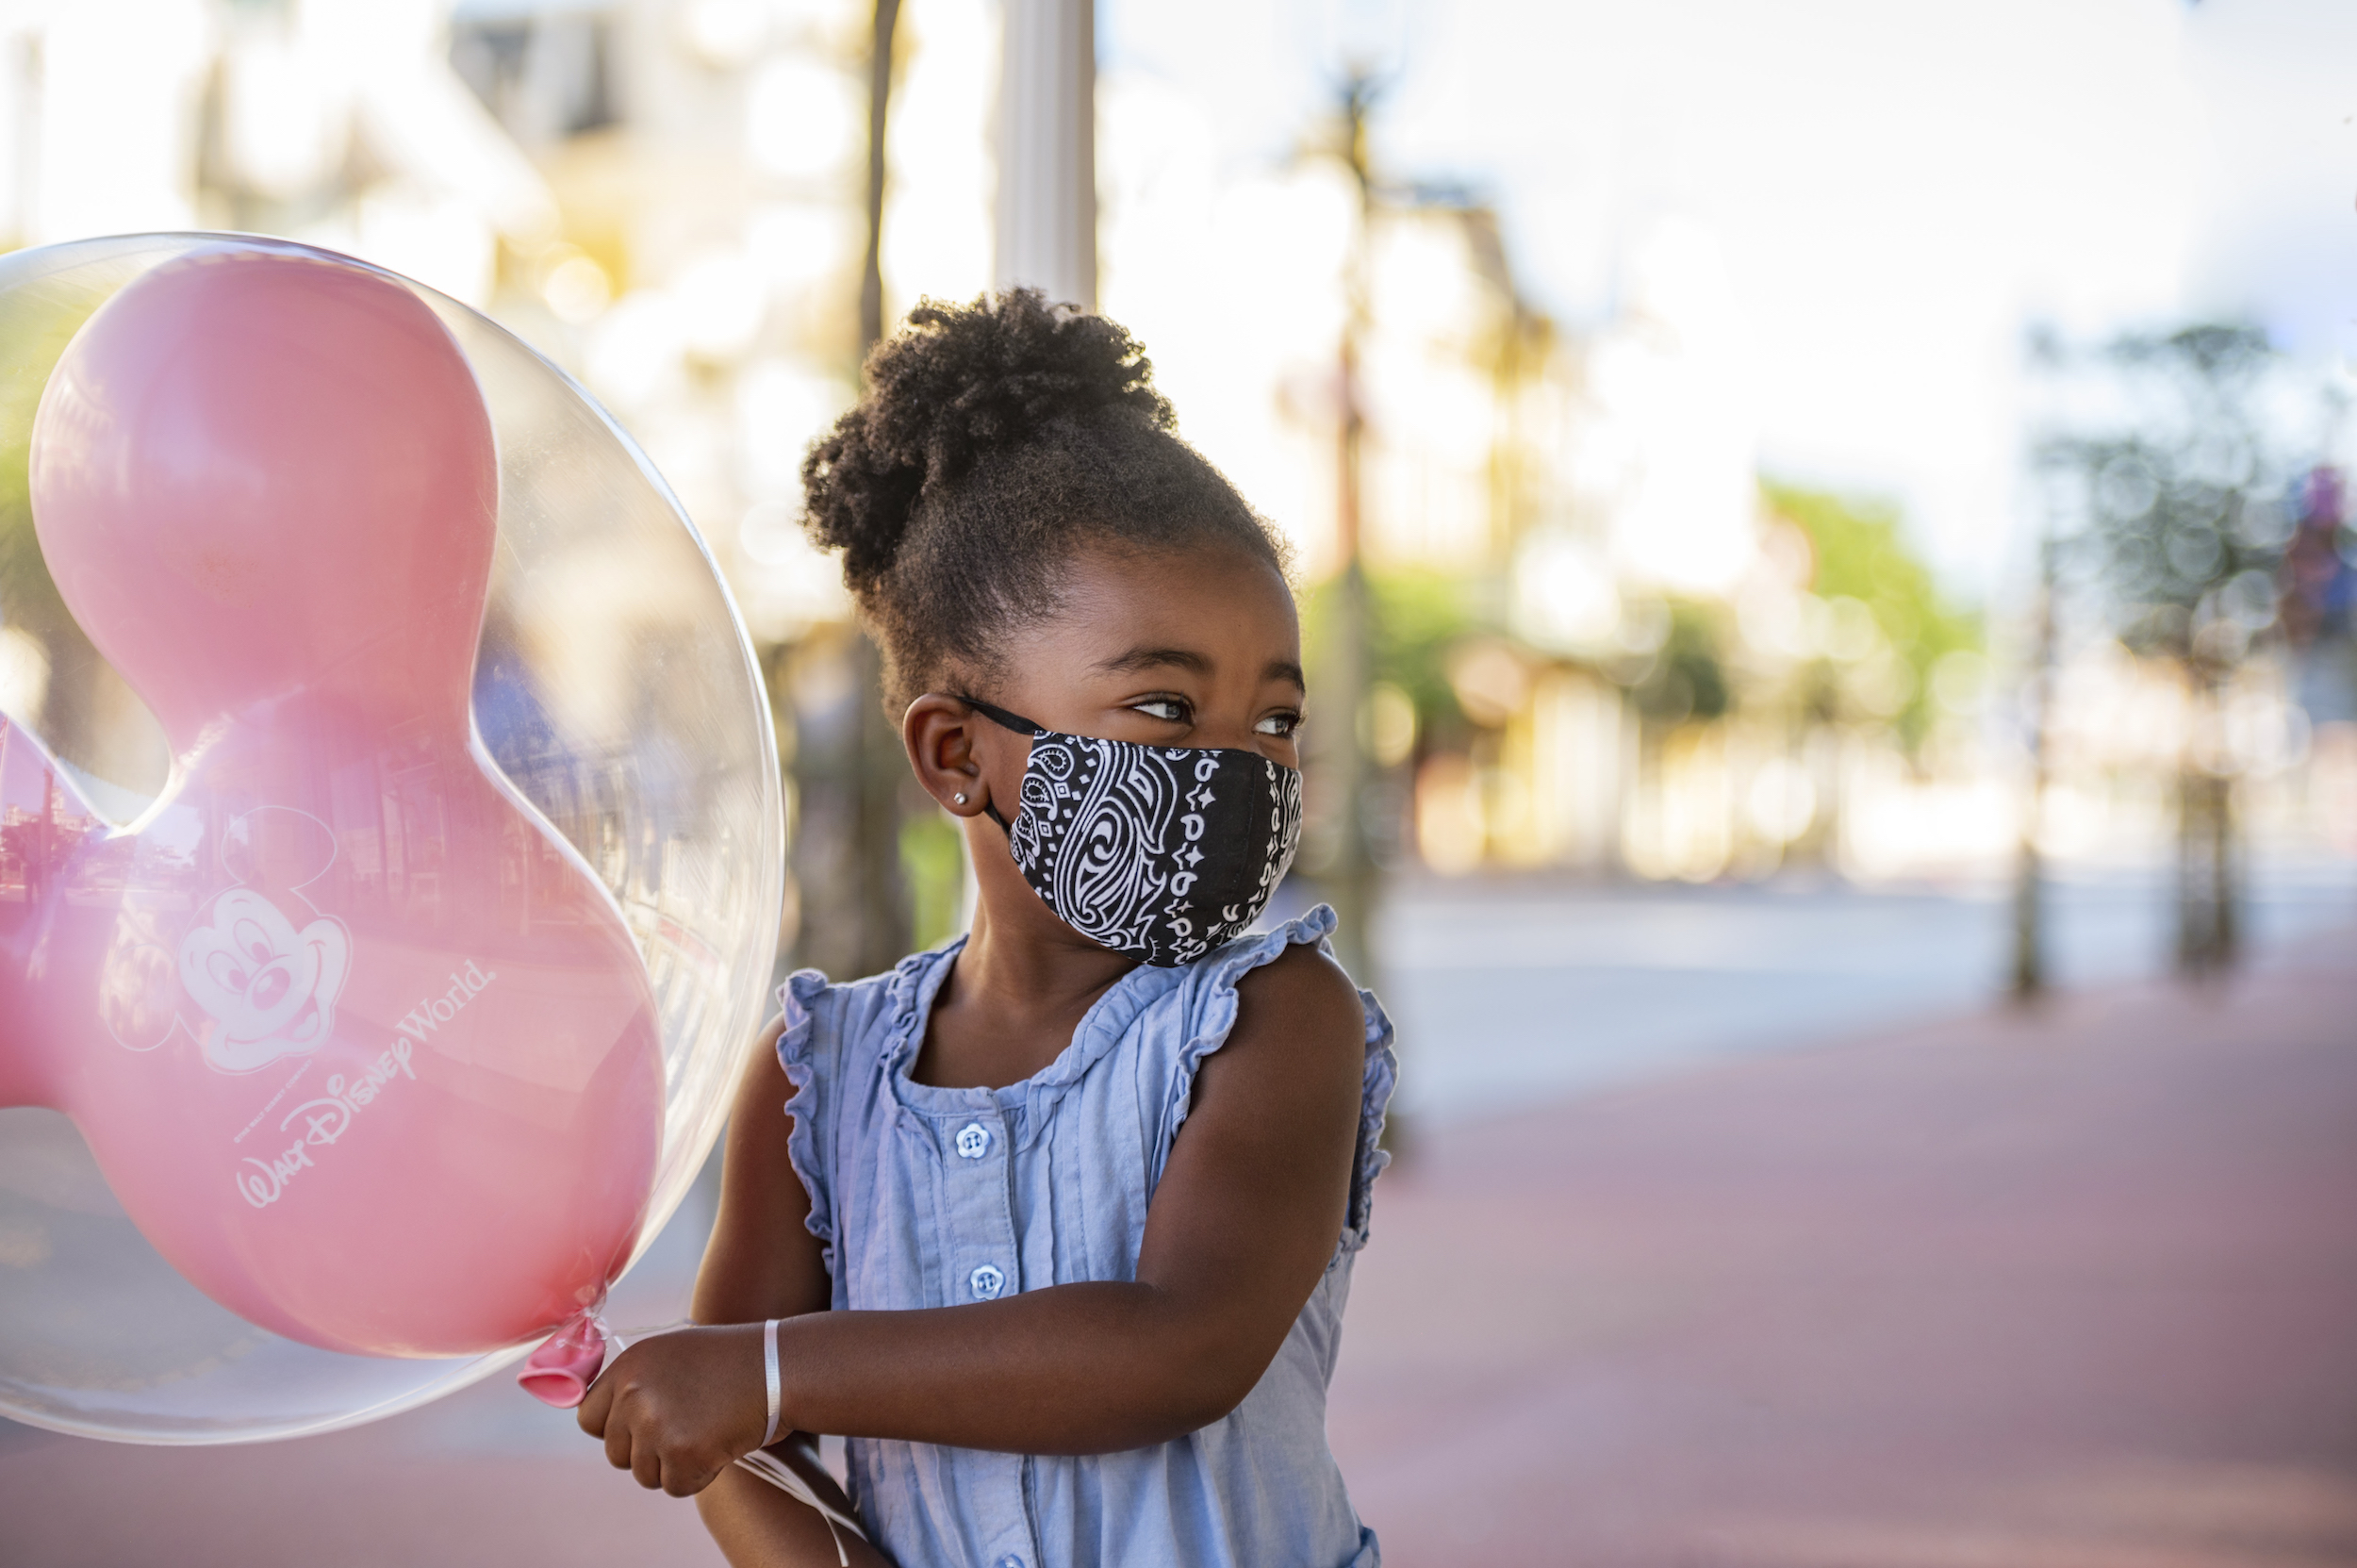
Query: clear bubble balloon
x=390, y=843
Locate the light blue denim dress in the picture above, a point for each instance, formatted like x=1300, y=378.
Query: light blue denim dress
x=926, y=1197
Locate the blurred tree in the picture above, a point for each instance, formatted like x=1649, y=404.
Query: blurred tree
x=2037, y=705
x=1687, y=677
x=933, y=856
x=1862, y=554
x=850, y=767
x=28, y=598
x=79, y=679
x=1417, y=615
x=2175, y=530
x=1343, y=860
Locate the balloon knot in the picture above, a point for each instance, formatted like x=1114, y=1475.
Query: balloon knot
x=560, y=1371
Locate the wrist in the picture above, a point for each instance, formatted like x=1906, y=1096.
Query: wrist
x=727, y=1372
x=771, y=1391
x=795, y=1394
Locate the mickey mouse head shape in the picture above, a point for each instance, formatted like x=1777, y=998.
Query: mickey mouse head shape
x=361, y=1046
x=272, y=988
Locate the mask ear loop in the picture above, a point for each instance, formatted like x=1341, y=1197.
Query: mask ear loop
x=1005, y=721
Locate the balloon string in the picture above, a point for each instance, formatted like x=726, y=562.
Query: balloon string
x=760, y=1461
x=620, y=1340
x=777, y=1474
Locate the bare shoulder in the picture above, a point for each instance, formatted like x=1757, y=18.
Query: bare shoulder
x=765, y=1045
x=1272, y=1117
x=762, y=1085
x=1304, y=981
x=762, y=1261
x=1302, y=1006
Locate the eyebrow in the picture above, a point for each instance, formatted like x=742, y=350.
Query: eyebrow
x=1149, y=658
x=1183, y=658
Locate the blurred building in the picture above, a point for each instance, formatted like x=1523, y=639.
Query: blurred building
x=1604, y=647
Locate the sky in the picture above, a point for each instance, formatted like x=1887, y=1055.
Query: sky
x=1894, y=187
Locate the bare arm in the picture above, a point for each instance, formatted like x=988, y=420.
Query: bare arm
x=756, y=1525
x=761, y=1263
x=1238, y=1235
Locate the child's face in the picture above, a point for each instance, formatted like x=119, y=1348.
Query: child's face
x=1196, y=649
x=1169, y=649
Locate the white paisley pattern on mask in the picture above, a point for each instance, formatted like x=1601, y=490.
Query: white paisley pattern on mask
x=1161, y=851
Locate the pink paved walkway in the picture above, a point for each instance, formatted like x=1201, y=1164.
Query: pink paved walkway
x=2075, y=1290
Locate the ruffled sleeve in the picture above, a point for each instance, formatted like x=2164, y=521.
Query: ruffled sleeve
x=811, y=1104
x=1214, y=1016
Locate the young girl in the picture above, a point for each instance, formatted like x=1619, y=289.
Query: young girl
x=1059, y=1219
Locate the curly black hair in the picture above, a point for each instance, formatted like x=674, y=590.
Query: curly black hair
x=994, y=440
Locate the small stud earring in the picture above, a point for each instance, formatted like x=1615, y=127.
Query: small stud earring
x=959, y=797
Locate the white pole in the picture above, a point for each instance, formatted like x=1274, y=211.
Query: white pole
x=1046, y=209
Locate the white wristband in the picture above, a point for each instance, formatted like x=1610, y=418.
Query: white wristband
x=769, y=1373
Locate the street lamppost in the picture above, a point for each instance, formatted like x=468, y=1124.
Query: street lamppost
x=879, y=890
x=1346, y=671
x=1045, y=228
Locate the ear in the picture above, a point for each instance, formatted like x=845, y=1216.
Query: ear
x=940, y=733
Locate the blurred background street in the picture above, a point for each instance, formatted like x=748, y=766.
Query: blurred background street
x=1828, y=580
x=1510, y=992
x=2064, y=1287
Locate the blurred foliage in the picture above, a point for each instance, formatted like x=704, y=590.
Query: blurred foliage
x=932, y=860
x=1419, y=614
x=2167, y=484
x=1862, y=553
x=27, y=596
x=2173, y=514
x=1688, y=678
x=37, y=321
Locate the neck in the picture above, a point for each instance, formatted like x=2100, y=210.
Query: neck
x=1012, y=965
x=1020, y=960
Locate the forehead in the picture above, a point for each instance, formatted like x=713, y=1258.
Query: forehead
x=1221, y=601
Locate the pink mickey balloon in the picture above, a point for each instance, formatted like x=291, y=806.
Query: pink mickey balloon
x=361, y=1046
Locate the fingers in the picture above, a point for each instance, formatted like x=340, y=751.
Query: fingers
x=644, y=1454
x=617, y=1442
x=659, y=1417
x=591, y=1413
x=646, y=1466
x=681, y=1479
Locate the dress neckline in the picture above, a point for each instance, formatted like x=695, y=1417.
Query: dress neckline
x=919, y=981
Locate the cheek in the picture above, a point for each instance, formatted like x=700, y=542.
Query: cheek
x=1003, y=772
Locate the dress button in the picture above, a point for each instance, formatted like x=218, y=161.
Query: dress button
x=1010, y=1560
x=988, y=1283
x=973, y=1140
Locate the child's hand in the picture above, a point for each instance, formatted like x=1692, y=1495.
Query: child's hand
x=678, y=1408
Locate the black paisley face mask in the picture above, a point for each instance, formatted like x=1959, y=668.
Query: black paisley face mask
x=1165, y=852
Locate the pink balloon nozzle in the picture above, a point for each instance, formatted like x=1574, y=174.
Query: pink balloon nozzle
x=560, y=1371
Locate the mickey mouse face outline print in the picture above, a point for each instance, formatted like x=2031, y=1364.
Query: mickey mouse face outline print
x=271, y=988
x=267, y=987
